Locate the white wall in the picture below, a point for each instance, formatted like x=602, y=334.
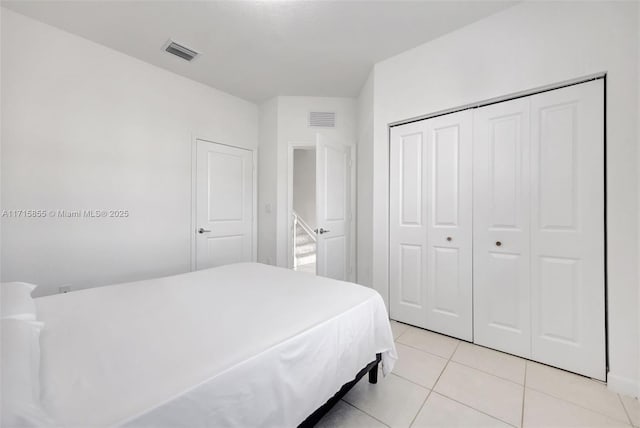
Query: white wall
x=527, y=46
x=86, y=127
x=365, y=183
x=267, y=186
x=293, y=128
x=304, y=185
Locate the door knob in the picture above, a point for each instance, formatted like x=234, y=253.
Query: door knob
x=498, y=243
x=203, y=230
x=449, y=239
x=321, y=231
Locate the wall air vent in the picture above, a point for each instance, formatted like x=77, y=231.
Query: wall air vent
x=181, y=51
x=322, y=119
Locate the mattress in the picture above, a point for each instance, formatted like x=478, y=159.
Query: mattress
x=239, y=345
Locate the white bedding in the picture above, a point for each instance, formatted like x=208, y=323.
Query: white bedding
x=239, y=345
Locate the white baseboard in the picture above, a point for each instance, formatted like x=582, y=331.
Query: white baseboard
x=623, y=385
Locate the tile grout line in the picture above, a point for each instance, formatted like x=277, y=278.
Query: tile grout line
x=489, y=373
x=431, y=390
x=578, y=405
x=411, y=381
x=473, y=368
x=408, y=327
x=391, y=374
x=420, y=408
x=450, y=359
x=367, y=413
x=524, y=392
x=360, y=410
x=364, y=411
x=525, y=360
x=463, y=364
x=467, y=365
x=426, y=352
x=474, y=409
x=524, y=384
x=625, y=410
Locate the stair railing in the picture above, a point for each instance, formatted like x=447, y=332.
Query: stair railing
x=299, y=221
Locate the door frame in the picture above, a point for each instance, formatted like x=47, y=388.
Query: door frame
x=194, y=182
x=306, y=145
x=508, y=97
x=293, y=146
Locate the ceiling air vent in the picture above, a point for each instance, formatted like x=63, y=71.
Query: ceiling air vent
x=181, y=51
x=322, y=119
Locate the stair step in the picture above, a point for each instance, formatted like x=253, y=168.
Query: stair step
x=306, y=247
x=306, y=260
x=308, y=268
x=305, y=254
x=304, y=239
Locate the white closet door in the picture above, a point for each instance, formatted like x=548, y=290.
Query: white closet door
x=408, y=223
x=567, y=237
x=449, y=225
x=430, y=224
x=501, y=213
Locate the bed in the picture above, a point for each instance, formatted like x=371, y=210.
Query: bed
x=238, y=345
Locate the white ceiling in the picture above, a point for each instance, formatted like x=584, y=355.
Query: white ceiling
x=259, y=49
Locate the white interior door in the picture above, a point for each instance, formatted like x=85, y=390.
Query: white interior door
x=408, y=223
x=224, y=205
x=567, y=239
x=333, y=205
x=430, y=224
x=449, y=225
x=501, y=210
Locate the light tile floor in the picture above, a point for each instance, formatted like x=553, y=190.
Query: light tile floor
x=439, y=381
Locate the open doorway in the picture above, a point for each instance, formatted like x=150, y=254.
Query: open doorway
x=321, y=203
x=304, y=210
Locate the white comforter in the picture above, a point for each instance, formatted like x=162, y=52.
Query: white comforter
x=240, y=345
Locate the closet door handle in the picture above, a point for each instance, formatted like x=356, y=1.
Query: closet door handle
x=498, y=244
x=449, y=239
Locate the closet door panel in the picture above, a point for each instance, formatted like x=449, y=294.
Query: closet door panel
x=407, y=224
x=501, y=227
x=449, y=280
x=568, y=228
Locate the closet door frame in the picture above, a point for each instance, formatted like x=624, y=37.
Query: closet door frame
x=528, y=93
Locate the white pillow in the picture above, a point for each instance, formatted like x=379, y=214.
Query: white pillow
x=17, y=301
x=21, y=374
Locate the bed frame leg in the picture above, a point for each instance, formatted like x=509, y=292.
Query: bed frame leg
x=373, y=373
